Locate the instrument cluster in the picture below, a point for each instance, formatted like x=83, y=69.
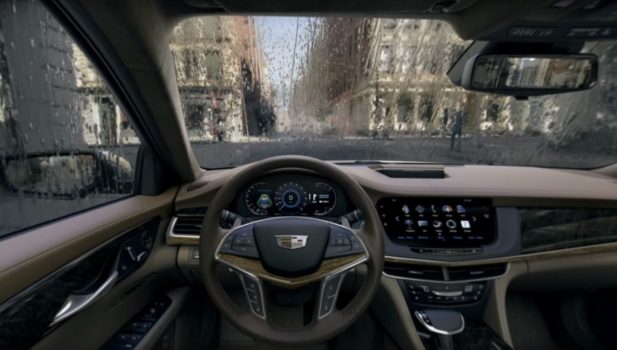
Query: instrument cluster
x=291, y=194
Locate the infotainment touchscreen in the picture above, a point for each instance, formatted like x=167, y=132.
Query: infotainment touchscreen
x=438, y=222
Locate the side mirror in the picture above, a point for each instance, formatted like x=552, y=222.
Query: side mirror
x=66, y=175
x=530, y=75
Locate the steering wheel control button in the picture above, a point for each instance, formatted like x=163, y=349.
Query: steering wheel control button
x=329, y=291
x=342, y=243
x=252, y=289
x=226, y=245
x=240, y=243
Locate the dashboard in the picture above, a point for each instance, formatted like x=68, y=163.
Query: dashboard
x=288, y=194
x=473, y=213
x=445, y=238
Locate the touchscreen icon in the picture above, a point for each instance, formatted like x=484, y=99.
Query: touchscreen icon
x=422, y=223
x=405, y=209
x=460, y=209
x=447, y=209
x=433, y=209
x=451, y=224
x=437, y=224
x=408, y=222
x=420, y=209
x=465, y=224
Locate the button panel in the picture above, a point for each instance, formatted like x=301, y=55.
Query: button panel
x=445, y=294
x=342, y=243
x=329, y=292
x=254, y=294
x=132, y=333
x=240, y=243
x=464, y=251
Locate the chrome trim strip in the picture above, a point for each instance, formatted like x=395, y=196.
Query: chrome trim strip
x=437, y=330
x=179, y=239
x=75, y=303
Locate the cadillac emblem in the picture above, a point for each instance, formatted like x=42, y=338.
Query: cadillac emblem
x=291, y=241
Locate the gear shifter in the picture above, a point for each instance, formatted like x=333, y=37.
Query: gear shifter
x=444, y=324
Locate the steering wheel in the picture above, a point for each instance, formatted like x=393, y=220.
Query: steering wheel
x=291, y=252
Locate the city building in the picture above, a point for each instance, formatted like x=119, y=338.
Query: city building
x=376, y=77
x=219, y=68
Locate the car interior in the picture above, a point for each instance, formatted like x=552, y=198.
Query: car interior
x=205, y=213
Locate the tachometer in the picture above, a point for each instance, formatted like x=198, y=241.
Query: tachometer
x=290, y=198
x=258, y=198
x=322, y=198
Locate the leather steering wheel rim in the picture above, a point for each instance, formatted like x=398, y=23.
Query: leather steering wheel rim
x=328, y=327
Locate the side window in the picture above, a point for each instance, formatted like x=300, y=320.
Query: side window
x=65, y=144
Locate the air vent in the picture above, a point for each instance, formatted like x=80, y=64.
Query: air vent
x=476, y=272
x=188, y=221
x=422, y=272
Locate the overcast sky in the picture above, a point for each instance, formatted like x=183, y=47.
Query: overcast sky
x=277, y=35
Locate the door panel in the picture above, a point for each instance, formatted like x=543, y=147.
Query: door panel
x=27, y=257
x=70, y=260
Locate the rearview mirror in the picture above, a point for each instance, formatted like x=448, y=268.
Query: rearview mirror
x=529, y=75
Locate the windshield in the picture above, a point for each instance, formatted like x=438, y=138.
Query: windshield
x=372, y=89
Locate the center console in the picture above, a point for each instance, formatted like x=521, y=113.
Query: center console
x=431, y=245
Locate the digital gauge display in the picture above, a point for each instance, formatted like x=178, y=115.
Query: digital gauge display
x=297, y=195
x=258, y=199
x=322, y=199
x=290, y=198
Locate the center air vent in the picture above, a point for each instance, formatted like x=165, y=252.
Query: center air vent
x=422, y=272
x=188, y=221
x=476, y=272
x=447, y=274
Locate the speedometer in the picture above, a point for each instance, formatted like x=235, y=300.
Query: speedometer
x=322, y=198
x=258, y=198
x=290, y=198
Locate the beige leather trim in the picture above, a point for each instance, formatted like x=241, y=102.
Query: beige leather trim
x=29, y=256
x=391, y=310
x=610, y=170
x=495, y=313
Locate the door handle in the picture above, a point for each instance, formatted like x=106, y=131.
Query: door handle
x=74, y=303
